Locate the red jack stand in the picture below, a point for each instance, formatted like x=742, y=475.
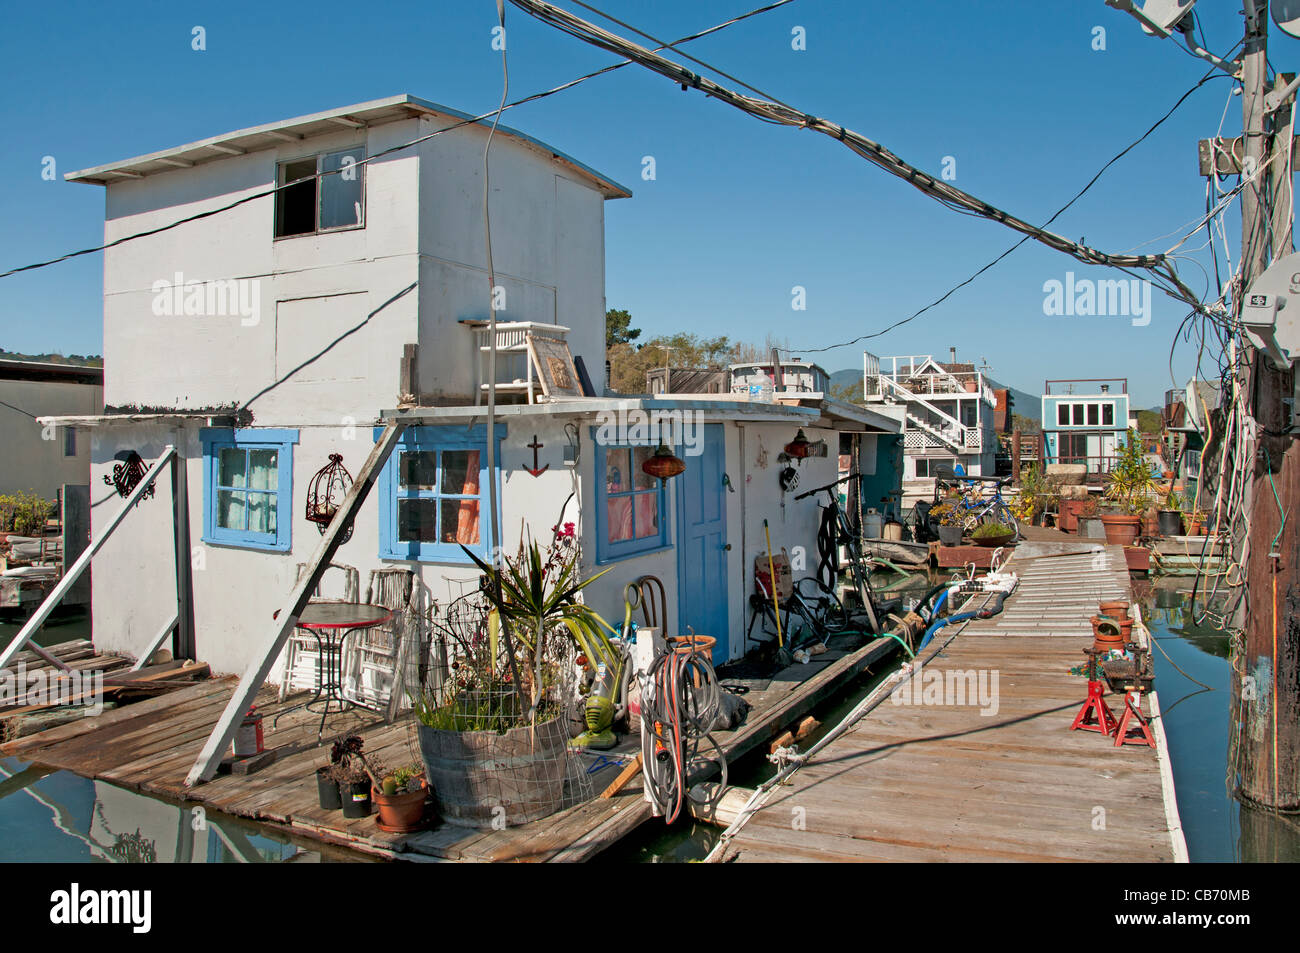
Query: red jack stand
x=1128, y=733
x=1094, y=715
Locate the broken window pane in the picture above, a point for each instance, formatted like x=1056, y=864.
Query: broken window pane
x=341, y=193
x=295, y=206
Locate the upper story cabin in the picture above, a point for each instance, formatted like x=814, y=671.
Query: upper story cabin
x=1085, y=421
x=377, y=243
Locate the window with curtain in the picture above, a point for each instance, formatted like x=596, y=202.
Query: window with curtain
x=631, y=506
x=433, y=495
x=248, y=487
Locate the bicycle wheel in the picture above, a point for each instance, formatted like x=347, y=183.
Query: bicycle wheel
x=1003, y=513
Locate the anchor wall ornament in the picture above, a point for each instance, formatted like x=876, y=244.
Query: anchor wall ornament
x=534, y=469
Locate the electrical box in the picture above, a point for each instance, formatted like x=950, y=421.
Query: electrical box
x=1270, y=311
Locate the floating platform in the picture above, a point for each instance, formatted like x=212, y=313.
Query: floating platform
x=151, y=745
x=956, y=782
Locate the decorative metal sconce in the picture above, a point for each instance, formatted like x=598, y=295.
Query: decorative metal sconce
x=128, y=474
x=326, y=491
x=800, y=446
x=663, y=465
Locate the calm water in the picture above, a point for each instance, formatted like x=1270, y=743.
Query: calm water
x=64, y=818
x=62, y=626
x=1217, y=827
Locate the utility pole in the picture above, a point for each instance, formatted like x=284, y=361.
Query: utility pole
x=1266, y=678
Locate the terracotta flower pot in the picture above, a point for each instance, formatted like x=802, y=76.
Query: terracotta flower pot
x=401, y=813
x=1138, y=558
x=1108, y=633
x=1117, y=609
x=1121, y=530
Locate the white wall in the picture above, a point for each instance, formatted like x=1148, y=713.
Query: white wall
x=548, y=252
x=222, y=360
x=236, y=590
x=28, y=460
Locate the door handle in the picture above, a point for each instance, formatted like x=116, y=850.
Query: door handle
x=726, y=547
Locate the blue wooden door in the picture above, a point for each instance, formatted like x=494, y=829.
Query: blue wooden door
x=702, y=544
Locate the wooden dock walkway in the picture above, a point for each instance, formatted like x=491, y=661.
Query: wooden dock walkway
x=150, y=746
x=946, y=782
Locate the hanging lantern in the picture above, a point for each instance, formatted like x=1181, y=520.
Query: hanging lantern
x=800, y=446
x=326, y=492
x=663, y=464
x=128, y=474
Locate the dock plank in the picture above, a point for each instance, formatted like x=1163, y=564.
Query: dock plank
x=924, y=782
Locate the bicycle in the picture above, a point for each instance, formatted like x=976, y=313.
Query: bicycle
x=838, y=529
x=975, y=506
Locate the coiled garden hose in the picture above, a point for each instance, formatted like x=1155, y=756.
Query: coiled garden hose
x=677, y=716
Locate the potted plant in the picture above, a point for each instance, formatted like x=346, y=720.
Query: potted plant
x=1195, y=522
x=352, y=774
x=1170, y=515
x=993, y=533
x=493, y=726
x=327, y=779
x=1036, y=495
x=400, y=799
x=1128, y=486
x=949, y=517
x=1090, y=525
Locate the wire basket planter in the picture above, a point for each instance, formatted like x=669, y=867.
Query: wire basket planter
x=497, y=691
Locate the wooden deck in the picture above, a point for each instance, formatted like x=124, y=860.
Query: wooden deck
x=944, y=782
x=150, y=746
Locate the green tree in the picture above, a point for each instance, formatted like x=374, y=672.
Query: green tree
x=618, y=328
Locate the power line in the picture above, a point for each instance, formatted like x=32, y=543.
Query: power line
x=785, y=114
x=385, y=152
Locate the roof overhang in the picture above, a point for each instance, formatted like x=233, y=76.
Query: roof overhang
x=50, y=372
x=110, y=420
x=272, y=135
x=718, y=410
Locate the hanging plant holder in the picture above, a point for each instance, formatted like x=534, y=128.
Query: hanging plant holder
x=127, y=476
x=326, y=492
x=663, y=465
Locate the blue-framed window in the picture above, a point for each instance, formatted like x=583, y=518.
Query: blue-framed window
x=631, y=505
x=248, y=487
x=433, y=494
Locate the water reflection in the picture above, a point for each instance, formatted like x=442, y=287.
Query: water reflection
x=56, y=816
x=1193, y=677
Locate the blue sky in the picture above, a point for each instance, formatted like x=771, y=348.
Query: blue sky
x=740, y=211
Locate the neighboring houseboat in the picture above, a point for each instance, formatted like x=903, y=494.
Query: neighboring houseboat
x=37, y=458
x=950, y=412
x=1084, y=422
x=348, y=302
x=1186, y=419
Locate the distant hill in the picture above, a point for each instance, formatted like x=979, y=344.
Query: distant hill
x=78, y=360
x=1022, y=402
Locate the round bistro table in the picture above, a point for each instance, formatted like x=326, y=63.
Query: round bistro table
x=331, y=623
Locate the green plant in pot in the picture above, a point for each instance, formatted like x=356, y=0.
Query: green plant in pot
x=994, y=533
x=950, y=522
x=503, y=697
x=400, y=798
x=1170, y=514
x=1129, y=486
